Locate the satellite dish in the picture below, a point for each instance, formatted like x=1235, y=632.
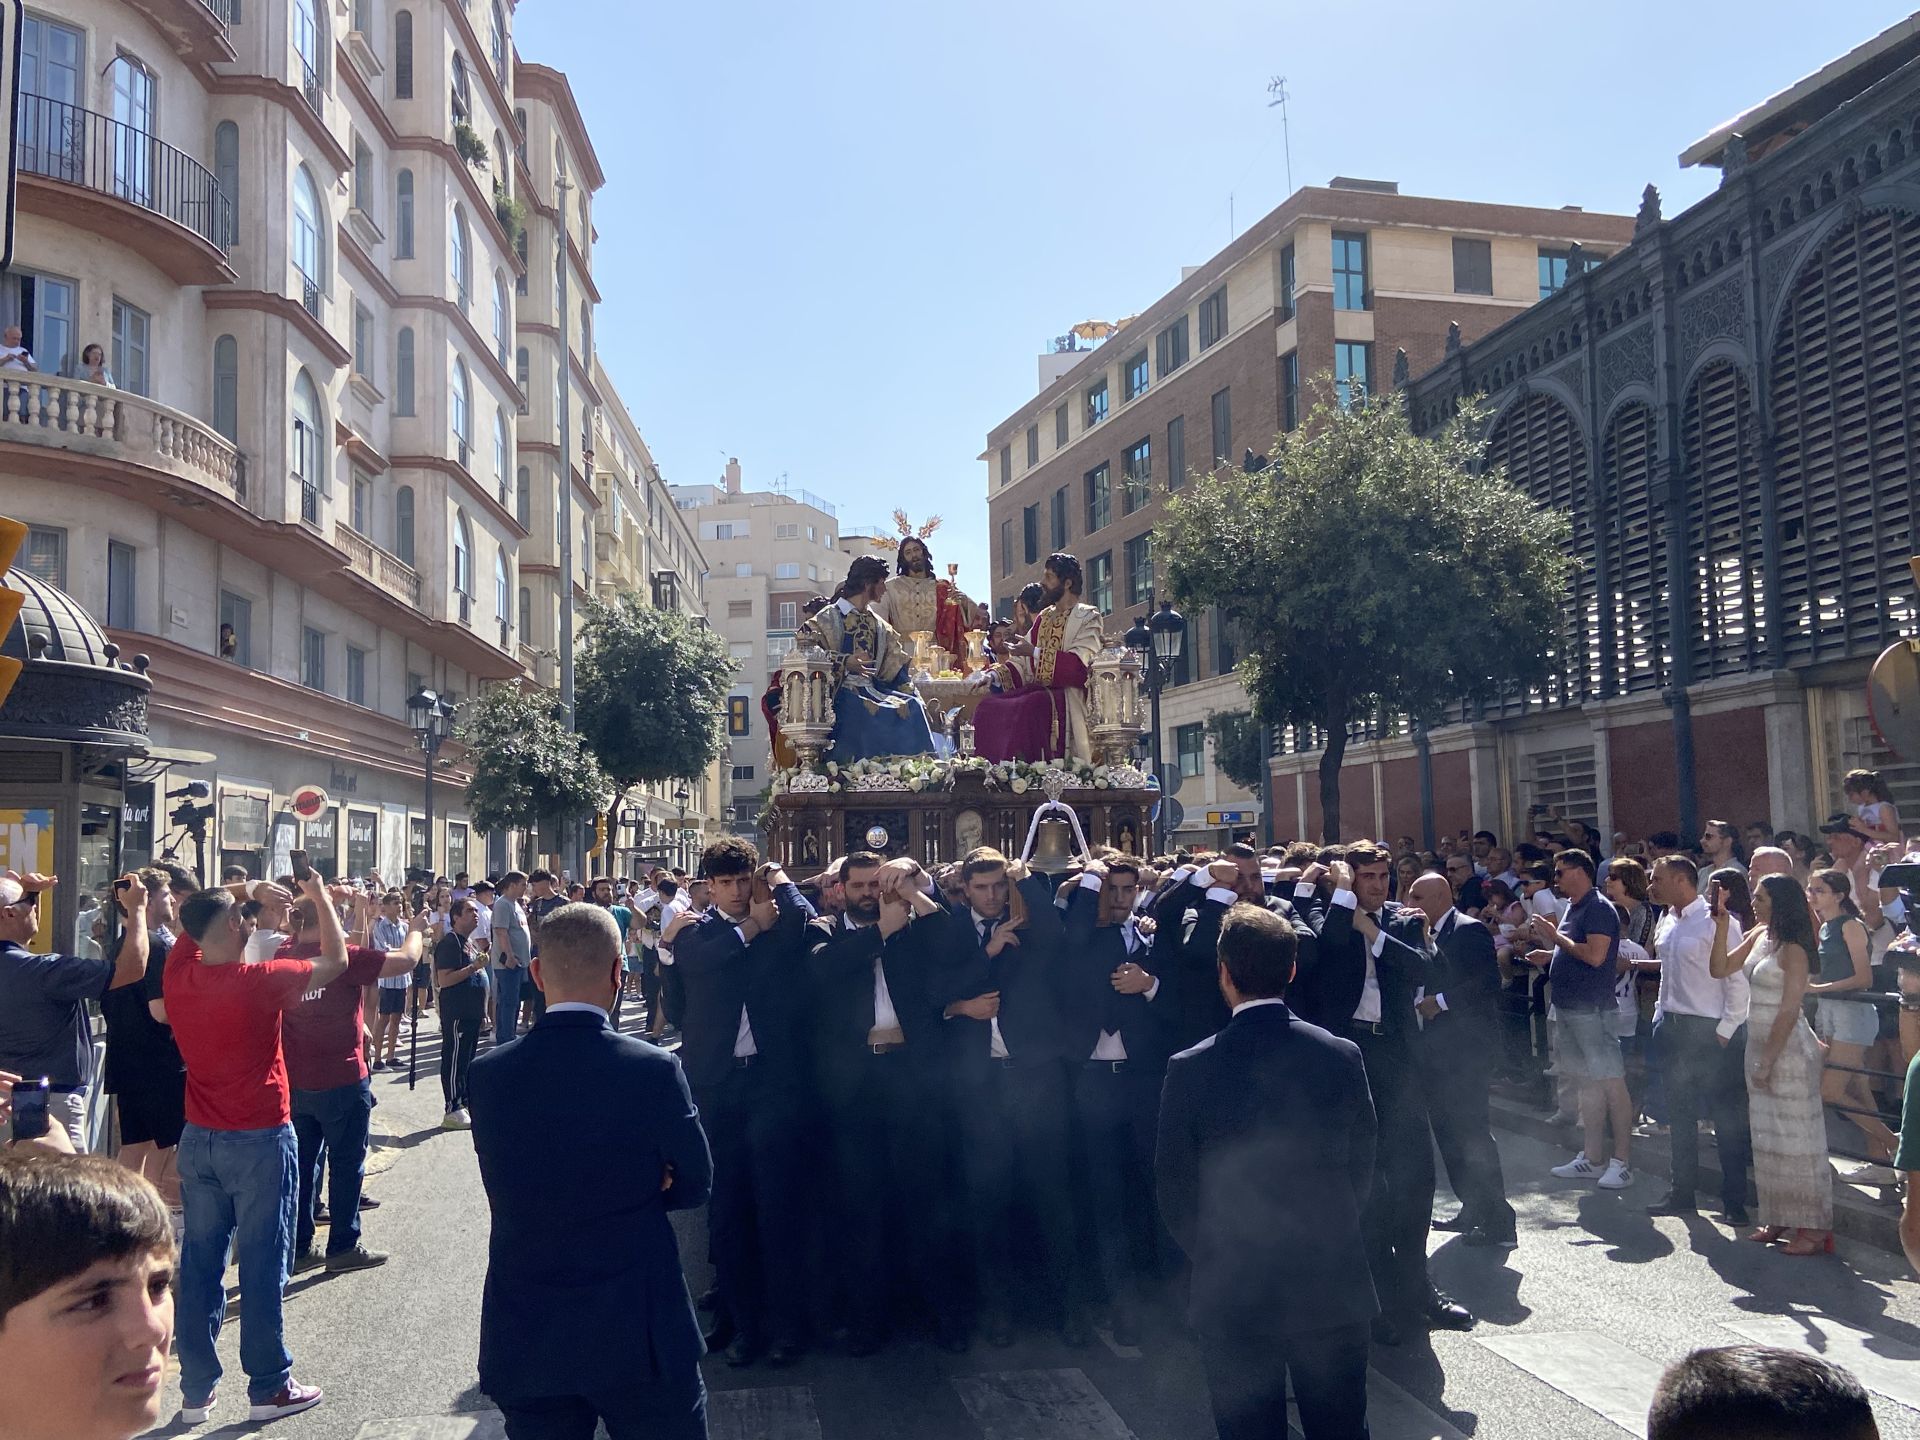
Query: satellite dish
x=1893, y=698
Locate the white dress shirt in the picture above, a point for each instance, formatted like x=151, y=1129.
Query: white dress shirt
x=997, y=1047
x=1368, y=1010
x=1110, y=1046
x=884, y=1017
x=565, y=1005
x=1683, y=944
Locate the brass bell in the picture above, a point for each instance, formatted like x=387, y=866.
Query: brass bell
x=1053, y=850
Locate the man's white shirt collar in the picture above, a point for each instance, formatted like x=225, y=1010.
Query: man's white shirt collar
x=844, y=606
x=1243, y=1005
x=566, y=1005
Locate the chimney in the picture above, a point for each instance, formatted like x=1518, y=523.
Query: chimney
x=733, y=475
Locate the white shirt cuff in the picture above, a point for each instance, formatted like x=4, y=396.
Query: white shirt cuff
x=1346, y=898
x=1199, y=877
x=1225, y=894
x=1440, y=1000
x=1727, y=1028
x=741, y=933
x=1379, y=943
x=1304, y=890
x=1091, y=882
x=1153, y=989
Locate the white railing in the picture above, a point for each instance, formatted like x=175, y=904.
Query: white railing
x=79, y=416
x=381, y=566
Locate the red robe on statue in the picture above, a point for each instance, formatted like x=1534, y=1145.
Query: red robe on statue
x=1026, y=717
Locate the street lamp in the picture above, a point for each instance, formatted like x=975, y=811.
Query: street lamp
x=1158, y=642
x=681, y=796
x=431, y=719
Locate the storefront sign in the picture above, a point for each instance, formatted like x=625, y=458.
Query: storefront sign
x=26, y=848
x=243, y=821
x=321, y=838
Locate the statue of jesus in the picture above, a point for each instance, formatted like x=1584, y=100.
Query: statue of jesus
x=876, y=710
x=915, y=600
x=1038, y=708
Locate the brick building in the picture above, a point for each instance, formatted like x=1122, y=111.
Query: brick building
x=1332, y=283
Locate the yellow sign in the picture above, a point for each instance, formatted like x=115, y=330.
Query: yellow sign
x=26, y=846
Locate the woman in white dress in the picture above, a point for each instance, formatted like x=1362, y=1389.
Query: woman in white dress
x=1783, y=1066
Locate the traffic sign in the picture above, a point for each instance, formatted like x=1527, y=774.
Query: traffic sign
x=308, y=802
x=1176, y=813
x=1232, y=817
x=1169, y=779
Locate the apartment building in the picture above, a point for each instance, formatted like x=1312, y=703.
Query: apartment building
x=296, y=231
x=768, y=552
x=643, y=544
x=1330, y=287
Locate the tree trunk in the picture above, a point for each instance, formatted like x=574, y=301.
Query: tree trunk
x=1334, y=722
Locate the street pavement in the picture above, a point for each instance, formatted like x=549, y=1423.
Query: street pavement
x=1575, y=1327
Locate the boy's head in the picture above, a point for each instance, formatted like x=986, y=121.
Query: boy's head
x=86, y=1315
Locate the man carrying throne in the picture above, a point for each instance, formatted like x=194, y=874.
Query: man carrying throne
x=1037, y=706
x=915, y=600
x=875, y=709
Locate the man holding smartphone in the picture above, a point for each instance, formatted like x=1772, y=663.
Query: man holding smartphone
x=44, y=1026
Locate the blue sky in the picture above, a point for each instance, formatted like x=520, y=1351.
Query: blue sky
x=834, y=237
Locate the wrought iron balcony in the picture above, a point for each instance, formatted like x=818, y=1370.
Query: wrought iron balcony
x=98, y=153
x=310, y=88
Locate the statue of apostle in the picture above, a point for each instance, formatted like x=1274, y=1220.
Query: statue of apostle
x=915, y=600
x=875, y=709
x=1038, y=708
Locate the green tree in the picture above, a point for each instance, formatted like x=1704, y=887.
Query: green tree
x=528, y=769
x=650, y=692
x=1371, y=570
x=1236, y=747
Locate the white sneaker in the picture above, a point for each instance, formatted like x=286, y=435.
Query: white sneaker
x=1578, y=1168
x=1870, y=1174
x=1617, y=1176
x=457, y=1120
x=198, y=1414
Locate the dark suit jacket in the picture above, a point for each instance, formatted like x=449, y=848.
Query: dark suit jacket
x=1094, y=952
x=1187, y=930
x=1264, y=1163
x=584, y=1291
x=1329, y=982
x=841, y=962
x=1467, y=973
x=719, y=975
x=1030, y=976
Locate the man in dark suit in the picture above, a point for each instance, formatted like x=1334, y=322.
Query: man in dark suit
x=1002, y=998
x=586, y=1317
x=878, y=1045
x=1459, y=1038
x=745, y=1043
x=1116, y=1018
x=1360, y=983
x=1263, y=1166
x=1186, y=918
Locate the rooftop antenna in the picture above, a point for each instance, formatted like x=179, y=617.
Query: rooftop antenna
x=1277, y=88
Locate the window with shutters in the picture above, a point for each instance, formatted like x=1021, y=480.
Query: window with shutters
x=1057, y=520
x=1845, y=366
x=1725, y=579
x=1134, y=376
x=1099, y=497
x=1176, y=452
x=1006, y=547
x=1059, y=426
x=1565, y=782
x=1213, y=318
x=1472, y=266
x=1287, y=282
x=1636, y=563
x=1033, y=446
x=1538, y=444
x=1136, y=468
x=1030, y=533
x=1170, y=347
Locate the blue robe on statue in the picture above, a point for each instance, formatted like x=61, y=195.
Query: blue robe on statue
x=875, y=716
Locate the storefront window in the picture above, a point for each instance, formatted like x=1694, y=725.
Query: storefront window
x=321, y=838
x=99, y=849
x=363, y=842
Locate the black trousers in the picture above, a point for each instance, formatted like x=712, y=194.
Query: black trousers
x=1118, y=1104
x=1458, y=1068
x=1399, y=1210
x=459, y=1039
x=894, y=1226
x=756, y=1218
x=1247, y=1381
x=671, y=1409
x=1704, y=1078
x=1014, y=1142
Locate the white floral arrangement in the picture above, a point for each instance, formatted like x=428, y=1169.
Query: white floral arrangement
x=921, y=773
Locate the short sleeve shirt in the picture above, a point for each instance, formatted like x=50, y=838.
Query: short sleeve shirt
x=464, y=999
x=1575, y=984
x=44, y=1029
x=139, y=1048
x=226, y=1021
x=1908, y=1155
x=322, y=1034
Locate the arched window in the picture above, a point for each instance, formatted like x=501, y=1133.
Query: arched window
x=586, y=329
x=462, y=410
x=403, y=373
x=226, y=387
x=306, y=38
x=502, y=177
x=500, y=313
x=497, y=45
x=520, y=136
x=403, y=55
x=523, y=498
x=462, y=555
x=309, y=462
x=500, y=451
x=502, y=587
x=526, y=616
x=462, y=90
x=523, y=375
x=520, y=249
x=403, y=524
x=462, y=257
x=307, y=244
x=226, y=173
x=403, y=215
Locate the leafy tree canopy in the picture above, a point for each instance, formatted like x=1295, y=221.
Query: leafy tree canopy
x=528, y=770
x=1370, y=569
x=1236, y=747
x=650, y=691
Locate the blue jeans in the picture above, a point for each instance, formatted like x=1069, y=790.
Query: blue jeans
x=331, y=1127
x=506, y=1003
x=238, y=1187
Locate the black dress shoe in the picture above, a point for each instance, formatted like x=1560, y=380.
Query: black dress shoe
x=1737, y=1215
x=1673, y=1204
x=1453, y=1224
x=720, y=1337
x=742, y=1352
x=1126, y=1325
x=1385, y=1332
x=783, y=1353
x=1074, y=1332
x=1480, y=1237
x=1443, y=1312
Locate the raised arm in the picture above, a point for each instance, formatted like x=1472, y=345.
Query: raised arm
x=331, y=963
x=1726, y=961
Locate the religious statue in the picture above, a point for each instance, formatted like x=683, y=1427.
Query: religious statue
x=875, y=709
x=916, y=601
x=1037, y=705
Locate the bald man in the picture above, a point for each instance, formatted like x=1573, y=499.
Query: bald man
x=1459, y=1037
x=1768, y=860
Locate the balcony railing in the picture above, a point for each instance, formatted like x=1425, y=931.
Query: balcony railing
x=96, y=152
x=382, y=567
x=84, y=418
x=221, y=10
x=310, y=88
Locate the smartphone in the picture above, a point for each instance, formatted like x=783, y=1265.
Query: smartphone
x=31, y=1118
x=302, y=869
x=123, y=884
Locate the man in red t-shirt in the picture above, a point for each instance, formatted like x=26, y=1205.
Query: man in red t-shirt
x=331, y=1093
x=237, y=1154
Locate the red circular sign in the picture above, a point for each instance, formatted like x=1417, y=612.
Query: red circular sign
x=308, y=802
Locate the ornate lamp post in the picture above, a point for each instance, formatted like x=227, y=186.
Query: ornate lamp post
x=1158, y=642
x=681, y=796
x=431, y=719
